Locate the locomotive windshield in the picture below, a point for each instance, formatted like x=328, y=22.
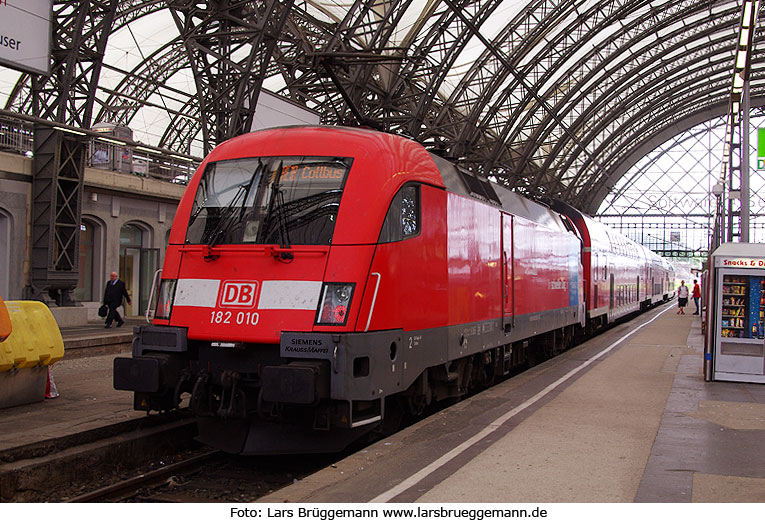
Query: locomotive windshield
x=268, y=200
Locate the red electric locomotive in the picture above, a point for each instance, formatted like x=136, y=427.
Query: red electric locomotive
x=323, y=282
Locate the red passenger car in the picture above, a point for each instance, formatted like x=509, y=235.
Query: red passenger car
x=323, y=282
x=621, y=276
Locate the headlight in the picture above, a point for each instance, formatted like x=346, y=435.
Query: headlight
x=334, y=304
x=165, y=297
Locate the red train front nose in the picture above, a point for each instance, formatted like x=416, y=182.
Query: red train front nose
x=247, y=294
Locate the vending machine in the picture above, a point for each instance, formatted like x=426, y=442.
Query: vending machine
x=736, y=314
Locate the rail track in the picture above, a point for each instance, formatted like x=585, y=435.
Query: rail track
x=209, y=477
x=129, y=487
x=53, y=469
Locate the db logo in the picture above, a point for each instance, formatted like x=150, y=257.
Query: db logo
x=238, y=294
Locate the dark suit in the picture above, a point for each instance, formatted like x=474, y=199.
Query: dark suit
x=113, y=299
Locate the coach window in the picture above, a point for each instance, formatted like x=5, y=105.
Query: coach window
x=403, y=218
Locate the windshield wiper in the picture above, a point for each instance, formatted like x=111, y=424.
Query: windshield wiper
x=199, y=209
x=280, y=216
x=293, y=214
x=225, y=220
x=258, y=172
x=277, y=202
x=282, y=219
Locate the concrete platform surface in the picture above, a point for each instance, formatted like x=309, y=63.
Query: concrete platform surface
x=84, y=381
x=87, y=401
x=96, y=330
x=637, y=424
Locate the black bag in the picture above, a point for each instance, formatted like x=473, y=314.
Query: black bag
x=103, y=311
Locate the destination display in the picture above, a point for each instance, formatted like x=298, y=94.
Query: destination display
x=313, y=171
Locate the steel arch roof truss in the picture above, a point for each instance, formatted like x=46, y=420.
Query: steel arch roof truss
x=550, y=97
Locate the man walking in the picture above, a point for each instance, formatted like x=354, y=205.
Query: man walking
x=115, y=290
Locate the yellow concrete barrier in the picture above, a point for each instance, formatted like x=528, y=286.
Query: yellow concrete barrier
x=35, y=339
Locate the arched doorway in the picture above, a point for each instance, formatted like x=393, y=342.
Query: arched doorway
x=5, y=255
x=89, y=286
x=138, y=262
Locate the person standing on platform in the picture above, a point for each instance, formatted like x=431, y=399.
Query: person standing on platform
x=115, y=290
x=696, y=296
x=682, y=297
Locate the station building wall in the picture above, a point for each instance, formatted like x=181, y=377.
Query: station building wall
x=15, y=200
x=125, y=224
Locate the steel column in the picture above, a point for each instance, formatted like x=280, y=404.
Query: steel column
x=744, y=132
x=59, y=165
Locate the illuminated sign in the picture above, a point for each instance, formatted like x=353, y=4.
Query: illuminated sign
x=761, y=148
x=314, y=171
x=25, y=35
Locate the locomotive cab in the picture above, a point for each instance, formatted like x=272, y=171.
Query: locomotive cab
x=266, y=311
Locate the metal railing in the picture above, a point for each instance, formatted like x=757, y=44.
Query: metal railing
x=126, y=159
x=104, y=152
x=16, y=136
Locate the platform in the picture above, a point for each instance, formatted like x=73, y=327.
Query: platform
x=612, y=420
x=625, y=417
x=84, y=381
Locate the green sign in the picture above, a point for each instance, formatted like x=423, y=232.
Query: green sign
x=760, y=143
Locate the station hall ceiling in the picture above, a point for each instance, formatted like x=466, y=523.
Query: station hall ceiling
x=551, y=98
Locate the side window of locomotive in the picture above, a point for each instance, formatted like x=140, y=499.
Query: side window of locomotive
x=403, y=218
